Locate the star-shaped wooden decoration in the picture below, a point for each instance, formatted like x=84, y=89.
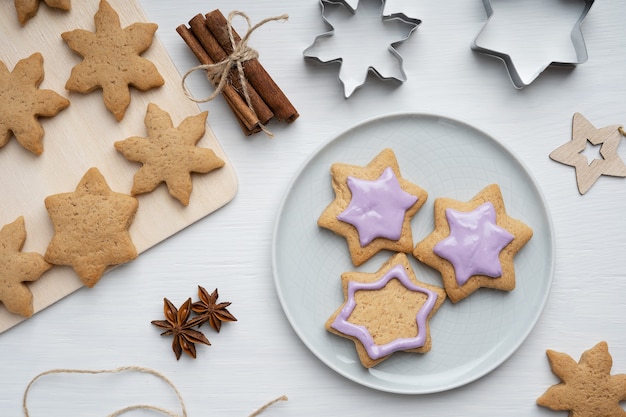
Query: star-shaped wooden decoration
x=169, y=154
x=17, y=267
x=91, y=228
x=28, y=8
x=22, y=102
x=583, y=133
x=112, y=59
x=587, y=389
x=459, y=289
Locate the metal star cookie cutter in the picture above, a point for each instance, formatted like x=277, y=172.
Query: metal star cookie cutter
x=528, y=61
x=353, y=12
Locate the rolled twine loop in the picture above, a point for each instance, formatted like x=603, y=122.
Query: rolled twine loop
x=219, y=73
x=137, y=406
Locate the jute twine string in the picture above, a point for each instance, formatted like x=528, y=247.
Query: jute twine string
x=136, y=406
x=218, y=73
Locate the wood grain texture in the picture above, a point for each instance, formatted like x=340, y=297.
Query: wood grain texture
x=260, y=356
x=82, y=137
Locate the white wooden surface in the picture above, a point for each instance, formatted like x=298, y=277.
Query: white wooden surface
x=260, y=357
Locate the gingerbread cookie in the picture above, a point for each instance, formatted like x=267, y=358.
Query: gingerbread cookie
x=587, y=389
x=22, y=102
x=91, y=228
x=17, y=268
x=28, y=8
x=373, y=207
x=474, y=244
x=111, y=59
x=169, y=154
x=387, y=311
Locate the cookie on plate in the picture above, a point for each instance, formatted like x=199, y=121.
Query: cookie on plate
x=387, y=311
x=17, y=268
x=373, y=207
x=587, y=388
x=22, y=102
x=91, y=228
x=112, y=59
x=169, y=154
x=474, y=243
x=28, y=8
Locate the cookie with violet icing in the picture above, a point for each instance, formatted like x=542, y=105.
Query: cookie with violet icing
x=386, y=312
x=373, y=207
x=474, y=243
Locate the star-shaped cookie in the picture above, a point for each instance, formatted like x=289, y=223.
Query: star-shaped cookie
x=17, y=267
x=587, y=389
x=474, y=244
x=111, y=59
x=22, y=102
x=387, y=311
x=91, y=228
x=169, y=154
x=28, y=8
x=373, y=207
x=583, y=133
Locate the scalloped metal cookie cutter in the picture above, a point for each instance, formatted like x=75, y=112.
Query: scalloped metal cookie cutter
x=350, y=85
x=519, y=79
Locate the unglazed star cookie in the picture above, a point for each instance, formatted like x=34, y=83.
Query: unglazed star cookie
x=587, y=389
x=387, y=311
x=17, y=268
x=169, y=154
x=474, y=244
x=111, y=59
x=28, y=8
x=373, y=207
x=91, y=228
x=22, y=102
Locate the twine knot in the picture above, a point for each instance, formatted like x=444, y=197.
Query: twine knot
x=219, y=73
x=130, y=408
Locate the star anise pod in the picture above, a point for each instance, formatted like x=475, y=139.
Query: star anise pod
x=209, y=310
x=177, y=324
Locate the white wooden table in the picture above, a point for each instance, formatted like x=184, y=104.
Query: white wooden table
x=260, y=357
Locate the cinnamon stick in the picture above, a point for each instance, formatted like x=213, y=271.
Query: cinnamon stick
x=217, y=54
x=256, y=75
x=248, y=121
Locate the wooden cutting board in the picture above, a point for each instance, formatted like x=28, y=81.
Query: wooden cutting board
x=82, y=136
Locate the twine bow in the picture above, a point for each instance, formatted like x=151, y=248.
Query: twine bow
x=219, y=72
x=137, y=406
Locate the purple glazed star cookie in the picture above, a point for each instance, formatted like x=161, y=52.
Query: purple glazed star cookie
x=386, y=312
x=373, y=207
x=474, y=244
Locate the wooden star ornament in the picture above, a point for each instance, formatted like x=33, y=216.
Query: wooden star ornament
x=584, y=133
x=91, y=228
x=587, y=389
x=17, y=267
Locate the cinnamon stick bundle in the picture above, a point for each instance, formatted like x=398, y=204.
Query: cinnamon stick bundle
x=217, y=54
x=248, y=121
x=255, y=73
x=211, y=44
